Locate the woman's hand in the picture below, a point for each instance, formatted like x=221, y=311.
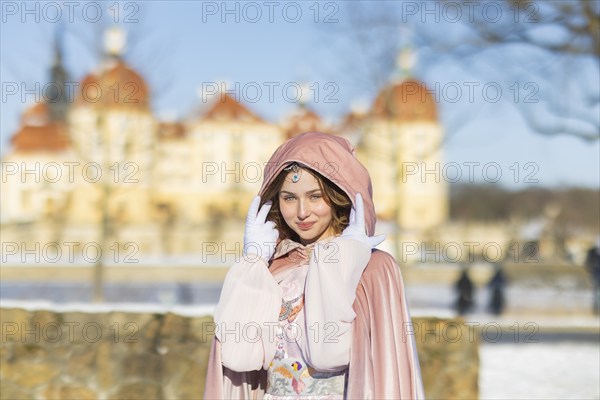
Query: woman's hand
x=356, y=229
x=260, y=235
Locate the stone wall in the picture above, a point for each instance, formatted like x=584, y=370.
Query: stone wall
x=119, y=355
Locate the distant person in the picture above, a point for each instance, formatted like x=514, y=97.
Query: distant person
x=496, y=286
x=592, y=264
x=185, y=294
x=465, y=288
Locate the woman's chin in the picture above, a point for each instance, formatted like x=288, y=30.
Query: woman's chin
x=307, y=238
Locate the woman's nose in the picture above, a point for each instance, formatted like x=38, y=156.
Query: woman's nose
x=303, y=210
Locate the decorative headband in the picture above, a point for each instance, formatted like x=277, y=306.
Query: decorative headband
x=296, y=169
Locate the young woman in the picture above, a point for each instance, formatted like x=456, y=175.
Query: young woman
x=312, y=310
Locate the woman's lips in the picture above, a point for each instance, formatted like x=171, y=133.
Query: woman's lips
x=305, y=225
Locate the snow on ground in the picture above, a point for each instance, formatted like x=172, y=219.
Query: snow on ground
x=519, y=298
x=198, y=310
x=68, y=260
x=561, y=370
x=193, y=293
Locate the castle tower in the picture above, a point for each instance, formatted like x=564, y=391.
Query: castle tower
x=401, y=144
x=57, y=94
x=112, y=125
x=35, y=188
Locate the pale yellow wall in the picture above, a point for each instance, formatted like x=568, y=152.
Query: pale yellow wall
x=229, y=165
x=30, y=181
x=415, y=148
x=126, y=164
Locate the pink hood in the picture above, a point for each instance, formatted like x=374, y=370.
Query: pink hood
x=331, y=156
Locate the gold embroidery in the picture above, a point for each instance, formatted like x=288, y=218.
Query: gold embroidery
x=288, y=312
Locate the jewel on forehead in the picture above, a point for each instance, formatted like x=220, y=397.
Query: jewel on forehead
x=294, y=167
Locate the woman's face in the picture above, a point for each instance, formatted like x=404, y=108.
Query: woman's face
x=303, y=207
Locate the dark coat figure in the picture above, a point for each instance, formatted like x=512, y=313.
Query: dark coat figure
x=592, y=264
x=464, y=287
x=496, y=286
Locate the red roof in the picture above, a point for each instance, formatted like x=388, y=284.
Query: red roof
x=49, y=137
x=304, y=120
x=115, y=87
x=38, y=114
x=409, y=100
x=352, y=121
x=171, y=130
x=38, y=132
x=226, y=108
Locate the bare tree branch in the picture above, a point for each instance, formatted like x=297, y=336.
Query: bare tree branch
x=527, y=45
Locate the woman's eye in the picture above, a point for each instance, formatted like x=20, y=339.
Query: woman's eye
x=288, y=198
x=315, y=196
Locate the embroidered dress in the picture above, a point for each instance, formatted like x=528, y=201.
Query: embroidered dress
x=289, y=376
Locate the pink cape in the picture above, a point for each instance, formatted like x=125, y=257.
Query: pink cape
x=383, y=359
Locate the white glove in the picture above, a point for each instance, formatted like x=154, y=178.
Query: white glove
x=260, y=235
x=356, y=229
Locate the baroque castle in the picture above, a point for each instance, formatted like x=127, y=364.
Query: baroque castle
x=104, y=169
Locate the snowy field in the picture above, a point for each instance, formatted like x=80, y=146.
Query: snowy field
x=559, y=370
x=560, y=366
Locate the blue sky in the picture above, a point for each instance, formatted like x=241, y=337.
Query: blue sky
x=179, y=46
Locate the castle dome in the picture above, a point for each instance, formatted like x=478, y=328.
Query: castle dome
x=116, y=86
x=408, y=100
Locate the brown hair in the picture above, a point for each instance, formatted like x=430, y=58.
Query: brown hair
x=332, y=194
